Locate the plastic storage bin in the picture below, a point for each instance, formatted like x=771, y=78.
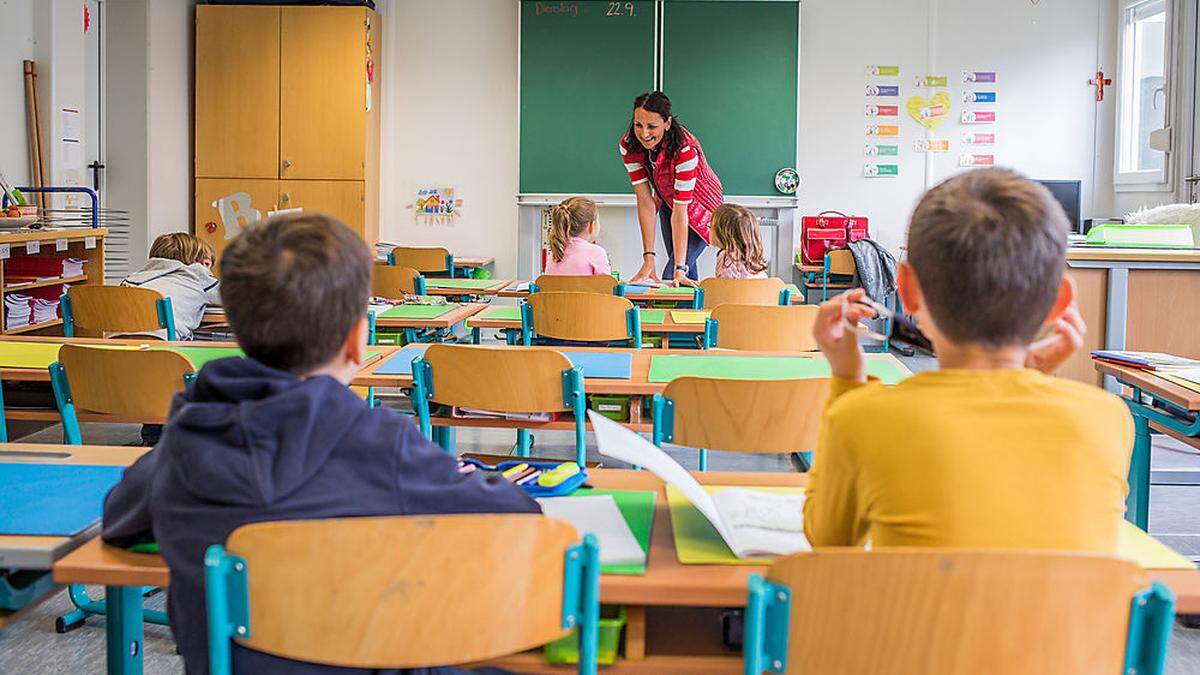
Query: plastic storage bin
x=612, y=620
x=612, y=406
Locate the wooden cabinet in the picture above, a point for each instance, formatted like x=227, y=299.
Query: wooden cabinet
x=286, y=115
x=237, y=92
x=322, y=125
x=340, y=198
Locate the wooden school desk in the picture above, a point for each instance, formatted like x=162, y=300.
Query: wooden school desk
x=214, y=316
x=520, y=289
x=637, y=386
x=1134, y=299
x=492, y=318
x=1147, y=390
x=450, y=289
x=40, y=553
x=672, y=610
x=41, y=374
x=474, y=261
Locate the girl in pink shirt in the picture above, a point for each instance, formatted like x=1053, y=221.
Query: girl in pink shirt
x=735, y=232
x=573, y=248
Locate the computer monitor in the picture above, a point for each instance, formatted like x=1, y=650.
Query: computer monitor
x=1069, y=193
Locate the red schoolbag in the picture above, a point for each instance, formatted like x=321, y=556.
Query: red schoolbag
x=829, y=230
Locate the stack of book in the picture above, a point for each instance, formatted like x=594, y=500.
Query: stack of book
x=1179, y=370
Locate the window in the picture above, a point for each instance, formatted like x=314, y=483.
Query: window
x=1143, y=93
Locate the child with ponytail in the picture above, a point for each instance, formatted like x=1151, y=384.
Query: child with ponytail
x=573, y=249
x=735, y=231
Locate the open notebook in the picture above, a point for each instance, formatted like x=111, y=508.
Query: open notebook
x=752, y=523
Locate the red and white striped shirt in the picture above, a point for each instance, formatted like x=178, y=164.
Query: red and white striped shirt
x=685, y=180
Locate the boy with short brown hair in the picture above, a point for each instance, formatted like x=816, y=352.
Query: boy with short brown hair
x=279, y=435
x=180, y=267
x=988, y=450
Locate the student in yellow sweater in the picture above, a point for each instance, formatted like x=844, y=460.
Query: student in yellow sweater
x=989, y=450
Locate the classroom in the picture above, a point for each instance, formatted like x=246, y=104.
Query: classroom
x=635, y=337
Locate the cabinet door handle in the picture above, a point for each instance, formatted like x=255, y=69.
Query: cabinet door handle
x=287, y=163
x=285, y=197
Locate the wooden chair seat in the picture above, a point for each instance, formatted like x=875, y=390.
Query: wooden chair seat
x=422, y=259
x=604, y=284
x=580, y=317
x=762, y=328
x=719, y=291
x=395, y=281
x=100, y=311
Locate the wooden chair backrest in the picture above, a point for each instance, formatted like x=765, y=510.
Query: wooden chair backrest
x=717, y=413
x=924, y=611
x=718, y=291
x=580, y=283
x=132, y=383
x=766, y=328
x=584, y=317
x=424, y=590
x=498, y=378
x=393, y=281
x=841, y=261
x=421, y=259
x=99, y=310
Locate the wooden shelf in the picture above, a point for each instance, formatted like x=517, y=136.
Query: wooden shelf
x=33, y=327
x=24, y=286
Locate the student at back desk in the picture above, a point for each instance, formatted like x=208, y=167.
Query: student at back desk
x=279, y=435
x=988, y=450
x=180, y=267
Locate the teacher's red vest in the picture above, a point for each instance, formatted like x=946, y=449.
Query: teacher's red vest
x=686, y=176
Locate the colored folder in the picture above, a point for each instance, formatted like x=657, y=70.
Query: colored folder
x=674, y=290
x=638, y=508
x=652, y=316
x=417, y=311
x=1147, y=551
x=472, y=284
x=668, y=367
x=400, y=363
x=499, y=314
x=28, y=355
x=696, y=540
x=57, y=500
x=690, y=315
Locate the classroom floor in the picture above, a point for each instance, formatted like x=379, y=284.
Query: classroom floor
x=29, y=645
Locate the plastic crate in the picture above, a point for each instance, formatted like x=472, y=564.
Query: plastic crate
x=612, y=620
x=654, y=341
x=613, y=406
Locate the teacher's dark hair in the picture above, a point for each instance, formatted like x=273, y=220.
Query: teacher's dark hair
x=657, y=102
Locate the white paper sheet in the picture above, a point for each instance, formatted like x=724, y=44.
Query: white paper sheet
x=600, y=516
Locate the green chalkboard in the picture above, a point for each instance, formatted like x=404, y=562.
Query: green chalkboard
x=582, y=64
x=730, y=70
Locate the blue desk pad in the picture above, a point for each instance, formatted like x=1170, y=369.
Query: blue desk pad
x=604, y=365
x=57, y=500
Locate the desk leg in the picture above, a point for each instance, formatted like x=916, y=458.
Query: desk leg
x=123, y=632
x=475, y=336
x=635, y=633
x=1137, y=504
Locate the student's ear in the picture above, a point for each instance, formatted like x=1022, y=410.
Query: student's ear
x=909, y=288
x=1066, y=297
x=355, y=348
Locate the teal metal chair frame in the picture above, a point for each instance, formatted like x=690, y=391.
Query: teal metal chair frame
x=633, y=326
x=662, y=411
x=1137, y=502
x=84, y=605
x=227, y=599
x=574, y=397
x=768, y=612
x=166, y=316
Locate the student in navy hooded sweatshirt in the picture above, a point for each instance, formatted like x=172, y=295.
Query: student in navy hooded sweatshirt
x=279, y=435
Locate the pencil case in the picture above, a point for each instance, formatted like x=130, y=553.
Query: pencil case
x=534, y=490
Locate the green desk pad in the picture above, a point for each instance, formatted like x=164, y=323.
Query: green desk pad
x=697, y=541
x=417, y=311
x=674, y=290
x=474, y=284
x=652, y=316
x=667, y=368
x=39, y=355
x=499, y=314
x=637, y=506
x=690, y=315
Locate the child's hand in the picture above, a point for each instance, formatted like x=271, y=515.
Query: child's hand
x=1065, y=339
x=836, y=337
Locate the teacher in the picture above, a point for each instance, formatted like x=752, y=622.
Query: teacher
x=673, y=183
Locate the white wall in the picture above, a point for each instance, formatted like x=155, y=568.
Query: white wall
x=450, y=119
x=16, y=45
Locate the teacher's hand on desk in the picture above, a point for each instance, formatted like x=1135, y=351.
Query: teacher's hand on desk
x=646, y=272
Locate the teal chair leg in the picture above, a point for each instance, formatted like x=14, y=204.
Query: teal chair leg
x=475, y=336
x=123, y=632
x=524, y=442
x=444, y=437
x=1137, y=503
x=66, y=408
x=3, y=422
x=703, y=459
x=805, y=459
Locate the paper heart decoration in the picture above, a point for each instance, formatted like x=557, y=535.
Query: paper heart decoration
x=929, y=113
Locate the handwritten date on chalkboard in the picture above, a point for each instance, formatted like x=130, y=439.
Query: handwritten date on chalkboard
x=620, y=9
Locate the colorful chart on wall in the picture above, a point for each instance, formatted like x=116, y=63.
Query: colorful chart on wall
x=929, y=112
